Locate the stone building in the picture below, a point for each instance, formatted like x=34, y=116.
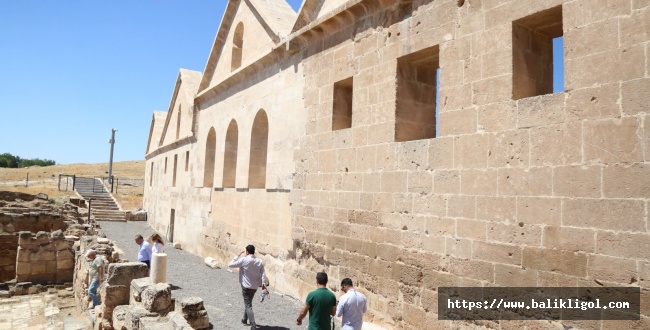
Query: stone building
x=415, y=144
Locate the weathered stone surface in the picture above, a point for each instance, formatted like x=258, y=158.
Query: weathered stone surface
x=139, y=215
x=114, y=295
x=137, y=287
x=124, y=273
x=190, y=304
x=198, y=319
x=157, y=298
x=133, y=316
x=119, y=317
x=211, y=262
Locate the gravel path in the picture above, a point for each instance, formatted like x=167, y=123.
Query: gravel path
x=219, y=288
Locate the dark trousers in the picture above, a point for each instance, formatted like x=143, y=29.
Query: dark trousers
x=248, y=294
x=147, y=262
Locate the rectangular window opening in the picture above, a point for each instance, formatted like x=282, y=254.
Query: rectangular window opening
x=538, y=54
x=342, y=104
x=417, y=95
x=165, y=171
x=175, y=166
x=558, y=65
x=187, y=160
x=151, y=175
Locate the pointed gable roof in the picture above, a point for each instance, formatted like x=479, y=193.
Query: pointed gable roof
x=157, y=124
x=311, y=10
x=187, y=83
x=276, y=16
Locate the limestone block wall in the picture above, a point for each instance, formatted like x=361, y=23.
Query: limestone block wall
x=252, y=42
x=44, y=258
x=236, y=200
x=508, y=184
x=8, y=252
x=13, y=222
x=245, y=207
x=545, y=190
x=191, y=213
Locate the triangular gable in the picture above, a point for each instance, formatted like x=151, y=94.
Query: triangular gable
x=184, y=91
x=311, y=10
x=275, y=16
x=157, y=124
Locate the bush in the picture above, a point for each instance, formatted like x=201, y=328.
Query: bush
x=11, y=161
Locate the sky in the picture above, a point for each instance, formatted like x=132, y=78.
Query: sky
x=73, y=70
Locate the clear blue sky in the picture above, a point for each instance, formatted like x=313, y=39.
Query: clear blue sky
x=72, y=70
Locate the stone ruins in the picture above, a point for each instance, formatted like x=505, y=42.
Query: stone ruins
x=42, y=249
x=416, y=144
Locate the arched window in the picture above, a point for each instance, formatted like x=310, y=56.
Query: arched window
x=230, y=156
x=210, y=146
x=178, y=122
x=237, y=47
x=259, y=143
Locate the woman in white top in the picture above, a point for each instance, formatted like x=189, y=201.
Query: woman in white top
x=158, y=245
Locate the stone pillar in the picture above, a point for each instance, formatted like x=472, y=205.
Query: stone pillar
x=158, y=272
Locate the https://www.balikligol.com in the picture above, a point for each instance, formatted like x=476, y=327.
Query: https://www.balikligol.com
x=536, y=304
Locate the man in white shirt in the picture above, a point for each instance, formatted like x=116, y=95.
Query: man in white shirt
x=351, y=306
x=251, y=276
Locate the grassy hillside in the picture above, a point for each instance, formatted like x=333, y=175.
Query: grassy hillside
x=45, y=179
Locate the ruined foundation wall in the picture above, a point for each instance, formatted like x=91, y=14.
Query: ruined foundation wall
x=44, y=258
x=22, y=219
x=8, y=252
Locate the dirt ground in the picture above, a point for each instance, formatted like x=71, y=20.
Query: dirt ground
x=45, y=179
x=55, y=309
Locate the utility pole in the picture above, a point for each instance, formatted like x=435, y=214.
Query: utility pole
x=110, y=162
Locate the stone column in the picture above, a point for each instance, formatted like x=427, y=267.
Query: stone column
x=158, y=272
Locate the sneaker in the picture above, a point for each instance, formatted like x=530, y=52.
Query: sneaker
x=244, y=322
x=253, y=326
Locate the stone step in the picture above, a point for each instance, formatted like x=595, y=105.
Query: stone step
x=111, y=219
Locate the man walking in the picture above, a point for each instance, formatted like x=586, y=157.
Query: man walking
x=95, y=275
x=351, y=306
x=144, y=252
x=321, y=304
x=251, y=276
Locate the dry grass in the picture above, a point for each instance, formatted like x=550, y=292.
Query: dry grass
x=131, y=169
x=45, y=179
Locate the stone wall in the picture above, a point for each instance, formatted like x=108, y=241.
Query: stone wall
x=537, y=191
x=31, y=221
x=44, y=258
x=8, y=251
x=507, y=184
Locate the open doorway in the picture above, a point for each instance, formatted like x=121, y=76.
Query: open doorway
x=170, y=234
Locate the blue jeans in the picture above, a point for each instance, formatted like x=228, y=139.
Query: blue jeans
x=92, y=292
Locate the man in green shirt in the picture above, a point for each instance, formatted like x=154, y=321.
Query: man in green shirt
x=95, y=275
x=321, y=304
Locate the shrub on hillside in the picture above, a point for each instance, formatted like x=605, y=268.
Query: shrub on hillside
x=11, y=161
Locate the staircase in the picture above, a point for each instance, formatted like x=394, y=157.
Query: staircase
x=103, y=207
